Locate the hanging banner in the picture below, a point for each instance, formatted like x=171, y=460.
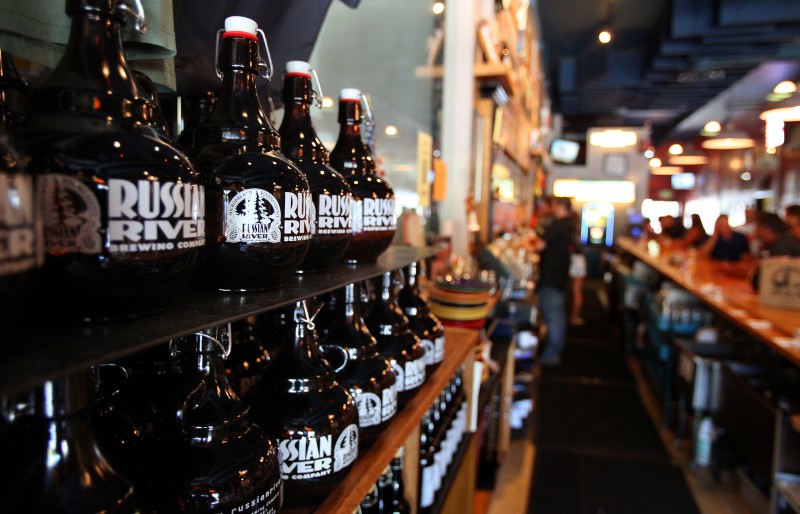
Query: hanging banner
x=424, y=165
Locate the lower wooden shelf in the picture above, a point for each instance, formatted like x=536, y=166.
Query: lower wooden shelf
x=459, y=349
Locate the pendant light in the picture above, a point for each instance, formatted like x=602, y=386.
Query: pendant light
x=689, y=157
x=729, y=139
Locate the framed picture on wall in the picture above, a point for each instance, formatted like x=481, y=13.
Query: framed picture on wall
x=615, y=165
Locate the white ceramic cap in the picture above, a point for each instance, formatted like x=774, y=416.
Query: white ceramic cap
x=240, y=24
x=301, y=67
x=350, y=93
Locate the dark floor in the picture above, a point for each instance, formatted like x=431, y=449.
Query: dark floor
x=596, y=449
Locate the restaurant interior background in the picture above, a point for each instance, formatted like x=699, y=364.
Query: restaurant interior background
x=534, y=80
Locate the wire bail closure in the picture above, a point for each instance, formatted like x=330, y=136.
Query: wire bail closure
x=136, y=12
x=224, y=342
x=317, y=94
x=367, y=116
x=265, y=68
x=309, y=320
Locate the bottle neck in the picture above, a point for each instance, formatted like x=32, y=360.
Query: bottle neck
x=94, y=59
x=299, y=139
x=349, y=120
x=239, y=106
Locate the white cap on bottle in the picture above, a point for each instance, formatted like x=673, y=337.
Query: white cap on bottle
x=349, y=93
x=300, y=67
x=240, y=24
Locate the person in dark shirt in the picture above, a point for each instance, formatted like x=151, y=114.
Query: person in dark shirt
x=554, y=251
x=671, y=227
x=696, y=235
x=725, y=244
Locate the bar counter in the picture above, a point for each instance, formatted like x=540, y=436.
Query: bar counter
x=730, y=296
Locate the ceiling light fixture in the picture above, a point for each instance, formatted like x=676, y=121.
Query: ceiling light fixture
x=390, y=130
x=785, y=87
x=729, y=139
x=689, y=157
x=666, y=170
x=712, y=128
x=438, y=7
x=782, y=113
x=604, y=36
x=655, y=162
x=613, y=138
x=675, y=149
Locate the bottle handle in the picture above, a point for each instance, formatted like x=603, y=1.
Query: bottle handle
x=367, y=117
x=97, y=371
x=224, y=342
x=342, y=350
x=317, y=94
x=267, y=66
x=136, y=12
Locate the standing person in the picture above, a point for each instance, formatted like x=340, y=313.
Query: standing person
x=553, y=247
x=577, y=271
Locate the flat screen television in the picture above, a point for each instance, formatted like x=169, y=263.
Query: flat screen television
x=566, y=151
x=683, y=181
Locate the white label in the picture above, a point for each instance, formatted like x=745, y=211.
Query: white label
x=373, y=215
x=389, y=408
x=439, y=351
x=399, y=384
x=334, y=215
x=346, y=449
x=429, y=479
x=18, y=248
x=70, y=214
x=369, y=409
x=151, y=216
x=267, y=502
x=414, y=374
x=307, y=457
x=430, y=352
x=255, y=216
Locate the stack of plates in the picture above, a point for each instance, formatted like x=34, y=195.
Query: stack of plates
x=460, y=302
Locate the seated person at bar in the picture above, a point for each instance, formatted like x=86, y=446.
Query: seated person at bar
x=775, y=241
x=792, y=218
x=725, y=244
x=671, y=227
x=696, y=235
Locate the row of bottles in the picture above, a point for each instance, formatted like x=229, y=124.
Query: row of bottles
x=244, y=417
x=388, y=494
x=112, y=217
x=441, y=432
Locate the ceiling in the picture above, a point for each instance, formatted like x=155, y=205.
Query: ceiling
x=668, y=61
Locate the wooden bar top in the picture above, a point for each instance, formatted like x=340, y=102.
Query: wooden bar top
x=730, y=296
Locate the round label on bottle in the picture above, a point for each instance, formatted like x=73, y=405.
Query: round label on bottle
x=439, y=349
x=19, y=250
x=266, y=502
x=389, y=408
x=430, y=351
x=334, y=216
x=369, y=409
x=346, y=449
x=70, y=214
x=399, y=384
x=414, y=374
x=255, y=216
x=152, y=216
x=373, y=215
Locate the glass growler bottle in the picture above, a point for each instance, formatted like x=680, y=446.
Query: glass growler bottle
x=399, y=503
x=331, y=217
x=313, y=417
x=251, y=354
x=208, y=457
x=367, y=374
x=258, y=203
x=55, y=463
x=374, y=220
x=20, y=231
x=121, y=205
x=396, y=341
x=421, y=320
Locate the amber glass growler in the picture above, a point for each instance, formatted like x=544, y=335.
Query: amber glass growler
x=314, y=418
x=396, y=341
x=421, y=320
x=367, y=374
x=54, y=461
x=331, y=222
x=374, y=221
x=258, y=203
x=121, y=205
x=208, y=457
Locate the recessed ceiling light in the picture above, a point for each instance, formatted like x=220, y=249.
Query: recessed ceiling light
x=390, y=130
x=604, y=37
x=675, y=149
x=438, y=7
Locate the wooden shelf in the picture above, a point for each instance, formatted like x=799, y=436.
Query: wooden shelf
x=40, y=351
x=459, y=349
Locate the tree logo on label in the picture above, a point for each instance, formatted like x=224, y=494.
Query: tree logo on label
x=70, y=214
x=254, y=216
x=369, y=409
x=346, y=449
